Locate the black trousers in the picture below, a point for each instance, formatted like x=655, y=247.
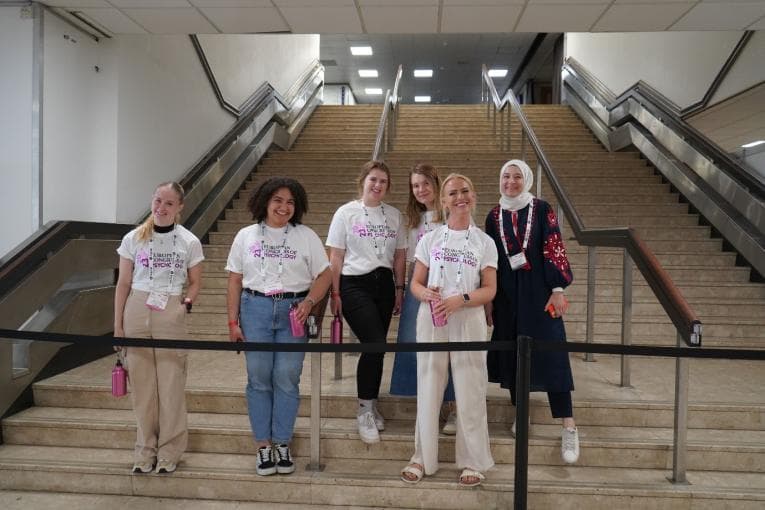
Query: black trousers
x=561, y=405
x=367, y=307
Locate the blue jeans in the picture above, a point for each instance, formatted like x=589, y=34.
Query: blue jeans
x=403, y=381
x=273, y=378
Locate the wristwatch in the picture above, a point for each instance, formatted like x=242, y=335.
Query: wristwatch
x=465, y=298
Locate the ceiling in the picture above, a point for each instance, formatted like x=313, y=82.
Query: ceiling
x=454, y=58
x=415, y=16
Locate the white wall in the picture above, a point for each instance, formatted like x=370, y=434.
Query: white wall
x=79, y=125
x=241, y=63
x=15, y=128
x=748, y=70
x=333, y=94
x=168, y=114
x=680, y=65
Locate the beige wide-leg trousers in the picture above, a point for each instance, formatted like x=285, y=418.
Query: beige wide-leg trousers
x=157, y=378
x=470, y=378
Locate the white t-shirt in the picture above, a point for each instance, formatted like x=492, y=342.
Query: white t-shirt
x=455, y=266
x=259, y=250
x=370, y=239
x=415, y=234
x=178, y=248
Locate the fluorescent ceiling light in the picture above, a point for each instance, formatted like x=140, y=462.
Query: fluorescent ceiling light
x=368, y=73
x=361, y=50
x=497, y=73
x=421, y=99
x=752, y=144
x=423, y=73
x=373, y=92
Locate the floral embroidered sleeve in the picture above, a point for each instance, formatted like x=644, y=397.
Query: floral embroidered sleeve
x=557, y=268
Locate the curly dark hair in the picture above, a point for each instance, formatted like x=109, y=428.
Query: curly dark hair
x=259, y=198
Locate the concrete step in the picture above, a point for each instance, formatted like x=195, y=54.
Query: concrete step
x=230, y=433
x=227, y=477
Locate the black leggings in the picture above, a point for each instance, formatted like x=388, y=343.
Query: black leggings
x=368, y=306
x=560, y=403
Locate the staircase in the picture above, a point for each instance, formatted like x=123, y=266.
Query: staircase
x=79, y=439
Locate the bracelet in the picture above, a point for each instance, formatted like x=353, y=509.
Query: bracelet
x=334, y=293
x=231, y=324
x=400, y=287
x=310, y=300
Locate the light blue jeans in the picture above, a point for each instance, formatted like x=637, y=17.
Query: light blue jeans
x=273, y=378
x=403, y=381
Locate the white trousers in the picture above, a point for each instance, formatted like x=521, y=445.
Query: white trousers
x=470, y=378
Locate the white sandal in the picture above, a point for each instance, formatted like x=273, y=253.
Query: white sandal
x=412, y=469
x=471, y=473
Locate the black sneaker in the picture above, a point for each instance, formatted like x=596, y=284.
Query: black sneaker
x=266, y=465
x=284, y=464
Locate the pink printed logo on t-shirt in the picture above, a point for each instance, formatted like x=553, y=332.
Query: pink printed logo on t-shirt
x=255, y=249
x=359, y=230
x=435, y=254
x=142, y=258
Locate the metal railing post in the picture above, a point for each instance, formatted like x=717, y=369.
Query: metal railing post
x=679, y=444
x=591, y=267
x=502, y=129
x=494, y=121
x=509, y=128
x=315, y=420
x=539, y=180
x=523, y=384
x=338, y=365
x=523, y=144
x=561, y=217
x=626, y=315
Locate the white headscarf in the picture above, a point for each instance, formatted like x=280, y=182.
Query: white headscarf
x=524, y=198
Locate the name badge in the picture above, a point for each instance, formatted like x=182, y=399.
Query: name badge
x=157, y=300
x=518, y=261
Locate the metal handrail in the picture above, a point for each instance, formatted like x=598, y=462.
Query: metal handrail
x=677, y=308
x=730, y=198
x=386, y=128
x=25, y=273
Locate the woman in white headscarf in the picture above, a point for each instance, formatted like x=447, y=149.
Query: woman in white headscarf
x=532, y=273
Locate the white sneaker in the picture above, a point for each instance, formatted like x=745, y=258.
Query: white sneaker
x=512, y=429
x=450, y=427
x=379, y=420
x=569, y=445
x=368, y=428
x=143, y=466
x=165, y=466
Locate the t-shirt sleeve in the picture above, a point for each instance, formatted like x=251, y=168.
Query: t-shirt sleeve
x=422, y=252
x=195, y=252
x=317, y=255
x=337, y=231
x=126, y=248
x=490, y=256
x=234, y=263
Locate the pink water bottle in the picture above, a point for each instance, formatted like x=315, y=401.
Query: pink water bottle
x=336, y=333
x=119, y=380
x=439, y=319
x=297, y=327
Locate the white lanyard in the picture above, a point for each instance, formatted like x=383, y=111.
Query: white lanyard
x=526, y=235
x=151, y=261
x=379, y=250
x=263, y=250
x=462, y=256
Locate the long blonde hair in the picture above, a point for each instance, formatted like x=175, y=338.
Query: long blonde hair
x=147, y=227
x=465, y=178
x=414, y=209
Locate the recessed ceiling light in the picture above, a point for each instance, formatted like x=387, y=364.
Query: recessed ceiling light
x=752, y=144
x=368, y=73
x=421, y=99
x=373, y=92
x=423, y=73
x=361, y=50
x=497, y=73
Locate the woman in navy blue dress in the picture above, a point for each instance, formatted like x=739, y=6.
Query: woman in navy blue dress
x=532, y=274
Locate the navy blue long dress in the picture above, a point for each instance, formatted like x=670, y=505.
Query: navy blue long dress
x=522, y=295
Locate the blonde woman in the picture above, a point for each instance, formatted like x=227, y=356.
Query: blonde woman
x=455, y=276
x=156, y=260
